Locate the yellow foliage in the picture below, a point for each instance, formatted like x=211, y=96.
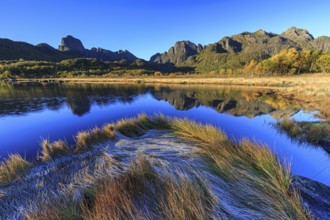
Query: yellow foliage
x=323, y=62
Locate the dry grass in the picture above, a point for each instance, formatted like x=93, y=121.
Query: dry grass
x=12, y=168
x=137, y=126
x=86, y=139
x=290, y=127
x=50, y=151
x=249, y=167
x=57, y=211
x=252, y=175
x=204, y=79
x=139, y=193
x=311, y=132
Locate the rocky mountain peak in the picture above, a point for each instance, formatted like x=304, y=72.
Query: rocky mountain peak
x=186, y=48
x=179, y=53
x=263, y=33
x=298, y=35
x=69, y=43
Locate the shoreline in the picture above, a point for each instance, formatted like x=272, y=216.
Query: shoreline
x=276, y=81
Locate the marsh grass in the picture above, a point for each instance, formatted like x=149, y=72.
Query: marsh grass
x=86, y=139
x=310, y=132
x=138, y=193
x=12, y=168
x=290, y=127
x=247, y=166
x=252, y=175
x=317, y=132
x=52, y=150
x=134, y=127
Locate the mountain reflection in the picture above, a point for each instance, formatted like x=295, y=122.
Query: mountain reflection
x=18, y=99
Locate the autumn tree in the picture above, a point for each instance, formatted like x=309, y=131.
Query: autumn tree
x=323, y=63
x=252, y=68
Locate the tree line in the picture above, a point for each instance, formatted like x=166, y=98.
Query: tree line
x=287, y=62
x=290, y=62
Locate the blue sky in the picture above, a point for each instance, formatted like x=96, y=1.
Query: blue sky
x=145, y=27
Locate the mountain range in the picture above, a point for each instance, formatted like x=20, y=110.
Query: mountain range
x=229, y=52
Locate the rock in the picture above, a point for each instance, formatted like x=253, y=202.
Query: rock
x=230, y=45
x=315, y=195
x=298, y=35
x=108, y=55
x=321, y=43
x=177, y=54
x=70, y=43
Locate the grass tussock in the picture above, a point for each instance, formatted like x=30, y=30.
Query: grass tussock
x=86, y=139
x=311, y=132
x=291, y=127
x=244, y=165
x=137, y=126
x=53, y=150
x=139, y=193
x=12, y=168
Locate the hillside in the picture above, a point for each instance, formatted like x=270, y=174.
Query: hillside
x=70, y=48
x=238, y=50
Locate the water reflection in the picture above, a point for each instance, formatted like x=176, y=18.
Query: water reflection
x=18, y=99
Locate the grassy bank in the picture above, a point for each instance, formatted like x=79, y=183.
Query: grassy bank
x=276, y=81
x=250, y=177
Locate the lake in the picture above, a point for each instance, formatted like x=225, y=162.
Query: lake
x=32, y=111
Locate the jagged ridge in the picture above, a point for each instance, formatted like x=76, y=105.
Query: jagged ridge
x=239, y=49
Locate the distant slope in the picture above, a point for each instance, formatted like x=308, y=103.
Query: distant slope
x=70, y=48
x=12, y=50
x=237, y=50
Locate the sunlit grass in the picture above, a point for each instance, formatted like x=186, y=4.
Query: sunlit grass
x=13, y=167
x=86, y=139
x=311, y=132
x=290, y=127
x=252, y=175
x=53, y=150
x=247, y=166
x=138, y=193
x=133, y=127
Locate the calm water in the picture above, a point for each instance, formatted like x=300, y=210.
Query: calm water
x=30, y=112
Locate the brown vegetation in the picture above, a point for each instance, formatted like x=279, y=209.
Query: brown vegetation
x=314, y=133
x=250, y=174
x=12, y=168
x=86, y=139
x=139, y=193
x=50, y=151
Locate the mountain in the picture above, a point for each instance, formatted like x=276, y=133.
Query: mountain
x=72, y=45
x=230, y=52
x=237, y=50
x=69, y=48
x=178, y=53
x=12, y=50
x=298, y=35
x=321, y=43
